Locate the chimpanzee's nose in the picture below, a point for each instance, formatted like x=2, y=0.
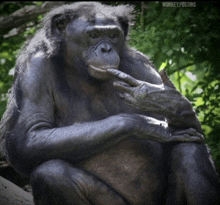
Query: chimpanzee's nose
x=106, y=48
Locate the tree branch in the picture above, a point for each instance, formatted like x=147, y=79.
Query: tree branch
x=25, y=15
x=12, y=194
x=182, y=67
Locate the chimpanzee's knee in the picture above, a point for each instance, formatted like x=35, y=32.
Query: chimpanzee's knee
x=193, y=177
x=193, y=157
x=56, y=182
x=45, y=171
x=45, y=180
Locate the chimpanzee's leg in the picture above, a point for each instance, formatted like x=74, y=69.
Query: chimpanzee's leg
x=193, y=179
x=58, y=182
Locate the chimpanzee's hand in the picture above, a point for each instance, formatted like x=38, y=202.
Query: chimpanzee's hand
x=153, y=129
x=136, y=88
x=140, y=94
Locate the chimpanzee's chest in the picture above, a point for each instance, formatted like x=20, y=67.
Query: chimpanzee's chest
x=125, y=166
x=83, y=102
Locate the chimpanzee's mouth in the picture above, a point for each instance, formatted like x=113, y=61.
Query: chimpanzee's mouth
x=102, y=69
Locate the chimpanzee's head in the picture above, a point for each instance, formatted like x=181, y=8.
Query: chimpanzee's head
x=93, y=32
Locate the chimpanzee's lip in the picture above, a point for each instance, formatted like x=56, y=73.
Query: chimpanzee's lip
x=102, y=69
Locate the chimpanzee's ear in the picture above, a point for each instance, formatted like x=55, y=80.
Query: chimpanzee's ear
x=58, y=26
x=124, y=25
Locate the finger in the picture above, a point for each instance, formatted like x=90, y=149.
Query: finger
x=123, y=87
x=193, y=139
x=190, y=131
x=186, y=138
x=123, y=76
x=129, y=99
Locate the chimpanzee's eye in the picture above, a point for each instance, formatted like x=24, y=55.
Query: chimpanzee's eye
x=112, y=36
x=93, y=35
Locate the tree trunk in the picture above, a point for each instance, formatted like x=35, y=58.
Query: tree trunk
x=11, y=194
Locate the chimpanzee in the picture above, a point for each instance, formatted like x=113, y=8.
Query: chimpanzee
x=92, y=122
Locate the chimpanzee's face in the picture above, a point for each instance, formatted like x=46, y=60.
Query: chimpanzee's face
x=98, y=42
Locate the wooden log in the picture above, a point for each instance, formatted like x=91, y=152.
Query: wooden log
x=11, y=194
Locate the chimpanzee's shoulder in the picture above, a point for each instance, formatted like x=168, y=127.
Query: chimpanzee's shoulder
x=35, y=73
x=39, y=64
x=138, y=65
x=139, y=56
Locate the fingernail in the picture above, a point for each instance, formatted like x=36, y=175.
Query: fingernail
x=122, y=75
x=121, y=95
x=110, y=70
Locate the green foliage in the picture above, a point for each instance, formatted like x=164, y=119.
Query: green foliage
x=10, y=7
x=183, y=41
x=8, y=51
x=9, y=48
x=178, y=35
